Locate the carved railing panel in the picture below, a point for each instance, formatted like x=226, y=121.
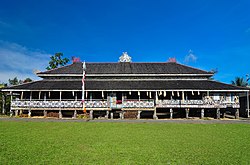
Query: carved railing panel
x=196, y=104
x=138, y=104
x=58, y=104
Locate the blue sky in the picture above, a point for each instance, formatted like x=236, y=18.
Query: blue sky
x=217, y=31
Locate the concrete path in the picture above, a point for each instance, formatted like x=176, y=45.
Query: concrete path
x=191, y=121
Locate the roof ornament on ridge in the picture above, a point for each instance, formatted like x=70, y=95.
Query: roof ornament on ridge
x=125, y=57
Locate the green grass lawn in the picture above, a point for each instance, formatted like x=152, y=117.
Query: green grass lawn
x=123, y=143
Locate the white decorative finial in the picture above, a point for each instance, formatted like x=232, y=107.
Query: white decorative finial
x=125, y=57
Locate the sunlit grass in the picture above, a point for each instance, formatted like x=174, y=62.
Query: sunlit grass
x=123, y=143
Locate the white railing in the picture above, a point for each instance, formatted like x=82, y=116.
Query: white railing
x=196, y=104
x=57, y=104
x=138, y=104
x=78, y=104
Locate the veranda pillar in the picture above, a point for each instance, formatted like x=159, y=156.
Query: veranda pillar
x=3, y=104
x=11, y=97
x=60, y=110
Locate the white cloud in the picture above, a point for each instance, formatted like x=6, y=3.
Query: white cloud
x=191, y=57
x=19, y=61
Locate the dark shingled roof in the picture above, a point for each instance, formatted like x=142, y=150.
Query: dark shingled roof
x=127, y=68
x=128, y=85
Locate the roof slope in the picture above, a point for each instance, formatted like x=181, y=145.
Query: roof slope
x=127, y=85
x=127, y=68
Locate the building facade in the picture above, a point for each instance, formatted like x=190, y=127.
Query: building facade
x=126, y=90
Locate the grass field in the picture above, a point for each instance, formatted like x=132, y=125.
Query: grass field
x=123, y=143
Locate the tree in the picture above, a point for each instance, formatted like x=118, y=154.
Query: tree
x=213, y=71
x=56, y=61
x=240, y=81
x=27, y=80
x=14, y=81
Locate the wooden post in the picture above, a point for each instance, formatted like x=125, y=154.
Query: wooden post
x=187, y=113
x=44, y=97
x=3, y=104
x=75, y=114
x=248, y=104
x=16, y=113
x=91, y=115
x=202, y=113
x=76, y=96
x=44, y=113
x=218, y=113
x=237, y=115
x=139, y=115
x=29, y=114
x=155, y=115
x=112, y=115
x=60, y=114
x=171, y=113
x=60, y=108
x=107, y=115
x=11, y=98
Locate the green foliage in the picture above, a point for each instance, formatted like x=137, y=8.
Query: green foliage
x=123, y=143
x=213, y=71
x=240, y=81
x=15, y=81
x=56, y=61
x=27, y=80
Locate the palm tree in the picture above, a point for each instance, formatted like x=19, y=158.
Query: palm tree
x=239, y=81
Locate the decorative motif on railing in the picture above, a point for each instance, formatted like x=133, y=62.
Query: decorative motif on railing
x=96, y=104
x=58, y=104
x=138, y=104
x=207, y=103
